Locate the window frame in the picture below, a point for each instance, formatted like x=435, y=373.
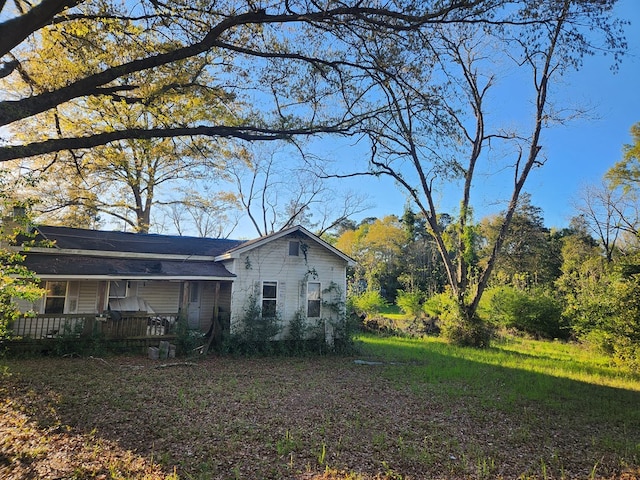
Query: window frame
x=315, y=301
x=48, y=295
x=271, y=300
x=126, y=289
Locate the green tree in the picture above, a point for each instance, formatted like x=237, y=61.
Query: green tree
x=622, y=333
x=136, y=93
x=420, y=263
x=369, y=303
x=17, y=282
x=585, y=281
x=377, y=248
x=288, y=60
x=529, y=254
x=534, y=311
x=625, y=175
x=410, y=302
x=127, y=178
x=626, y=172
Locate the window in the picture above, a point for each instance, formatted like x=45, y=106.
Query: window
x=55, y=295
x=313, y=299
x=294, y=249
x=269, y=297
x=117, y=289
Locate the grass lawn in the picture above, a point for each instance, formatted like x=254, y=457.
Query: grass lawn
x=411, y=409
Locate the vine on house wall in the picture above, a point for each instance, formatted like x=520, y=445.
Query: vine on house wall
x=305, y=249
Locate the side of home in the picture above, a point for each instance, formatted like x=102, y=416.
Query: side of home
x=290, y=273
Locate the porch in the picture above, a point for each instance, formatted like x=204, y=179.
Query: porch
x=117, y=327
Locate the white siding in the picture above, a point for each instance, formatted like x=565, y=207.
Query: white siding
x=88, y=297
x=271, y=262
x=163, y=297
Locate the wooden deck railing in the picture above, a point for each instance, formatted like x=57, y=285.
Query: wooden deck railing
x=128, y=326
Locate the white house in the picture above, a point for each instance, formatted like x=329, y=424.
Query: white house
x=111, y=275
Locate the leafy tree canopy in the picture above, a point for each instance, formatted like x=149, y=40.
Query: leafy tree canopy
x=626, y=173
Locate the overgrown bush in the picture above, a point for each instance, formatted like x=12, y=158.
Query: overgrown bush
x=441, y=306
x=410, y=302
x=345, y=330
x=626, y=353
x=453, y=324
x=303, y=337
x=255, y=333
x=623, y=329
x=534, y=312
x=72, y=342
x=458, y=330
x=369, y=303
x=187, y=339
x=343, y=321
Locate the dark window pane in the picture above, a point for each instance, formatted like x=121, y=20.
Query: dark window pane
x=313, y=299
x=268, y=308
x=56, y=289
x=269, y=290
x=54, y=305
x=313, y=308
x=269, y=297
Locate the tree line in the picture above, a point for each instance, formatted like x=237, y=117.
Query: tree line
x=581, y=282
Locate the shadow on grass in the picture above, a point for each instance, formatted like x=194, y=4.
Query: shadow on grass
x=419, y=350
x=513, y=382
x=436, y=414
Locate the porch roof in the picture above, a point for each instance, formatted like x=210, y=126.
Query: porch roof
x=108, y=267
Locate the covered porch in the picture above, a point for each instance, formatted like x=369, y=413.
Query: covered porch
x=125, y=309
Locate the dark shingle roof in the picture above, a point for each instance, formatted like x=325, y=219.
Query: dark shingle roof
x=80, y=239
x=45, y=264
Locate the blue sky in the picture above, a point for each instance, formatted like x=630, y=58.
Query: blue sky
x=577, y=154
x=583, y=151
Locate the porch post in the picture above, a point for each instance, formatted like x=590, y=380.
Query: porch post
x=101, y=302
x=216, y=327
x=216, y=300
x=184, y=300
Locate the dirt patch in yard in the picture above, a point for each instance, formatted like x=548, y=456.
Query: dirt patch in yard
x=308, y=418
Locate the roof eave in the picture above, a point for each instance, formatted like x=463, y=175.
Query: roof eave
x=238, y=251
x=111, y=254
x=177, y=278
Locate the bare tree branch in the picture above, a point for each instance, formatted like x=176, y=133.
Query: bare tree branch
x=17, y=29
